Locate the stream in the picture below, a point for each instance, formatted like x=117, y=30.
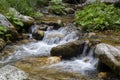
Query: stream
x=83, y=64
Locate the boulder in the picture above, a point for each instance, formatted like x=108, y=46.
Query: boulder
x=68, y=50
x=12, y=73
x=109, y=55
x=38, y=35
x=27, y=20
x=2, y=44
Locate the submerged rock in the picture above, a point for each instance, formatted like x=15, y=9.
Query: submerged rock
x=12, y=73
x=38, y=35
x=68, y=50
x=40, y=68
x=109, y=55
x=37, y=62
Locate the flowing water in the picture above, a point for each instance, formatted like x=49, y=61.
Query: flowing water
x=84, y=64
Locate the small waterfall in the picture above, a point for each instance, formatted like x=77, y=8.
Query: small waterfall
x=60, y=36
x=51, y=39
x=85, y=63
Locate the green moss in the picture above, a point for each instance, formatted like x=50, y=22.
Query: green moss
x=98, y=16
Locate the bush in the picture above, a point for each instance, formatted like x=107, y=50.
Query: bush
x=16, y=21
x=23, y=6
x=57, y=8
x=2, y=30
x=98, y=16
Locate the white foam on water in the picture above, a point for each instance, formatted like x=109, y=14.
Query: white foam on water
x=81, y=64
x=51, y=39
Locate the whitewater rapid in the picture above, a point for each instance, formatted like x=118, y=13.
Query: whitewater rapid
x=83, y=63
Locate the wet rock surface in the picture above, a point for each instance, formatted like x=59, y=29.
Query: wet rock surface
x=39, y=69
x=38, y=35
x=37, y=62
x=68, y=50
x=109, y=37
x=109, y=55
x=53, y=19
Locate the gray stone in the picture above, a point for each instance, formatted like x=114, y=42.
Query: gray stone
x=68, y=50
x=109, y=55
x=12, y=73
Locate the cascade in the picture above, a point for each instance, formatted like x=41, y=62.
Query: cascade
x=83, y=63
x=51, y=39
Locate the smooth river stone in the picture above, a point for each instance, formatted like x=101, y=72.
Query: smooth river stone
x=9, y=72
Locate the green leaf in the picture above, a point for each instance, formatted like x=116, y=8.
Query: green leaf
x=97, y=16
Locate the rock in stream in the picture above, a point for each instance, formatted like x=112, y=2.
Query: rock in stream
x=12, y=73
x=109, y=55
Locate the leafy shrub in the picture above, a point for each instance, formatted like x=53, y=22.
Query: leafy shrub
x=98, y=16
x=56, y=7
x=2, y=30
x=23, y=6
x=16, y=21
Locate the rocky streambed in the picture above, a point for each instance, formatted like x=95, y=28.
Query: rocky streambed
x=63, y=54
x=54, y=49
